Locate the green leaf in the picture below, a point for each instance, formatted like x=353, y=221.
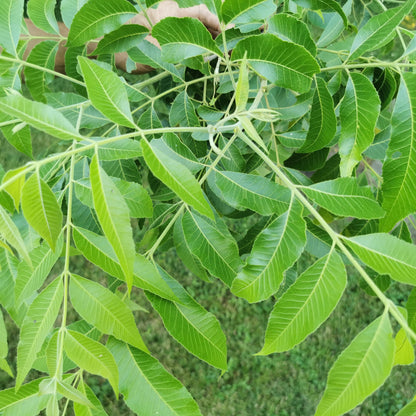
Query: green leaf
x=14, y=188
x=275, y=249
x=175, y=176
x=81, y=410
x=386, y=254
x=37, y=324
x=39, y=115
x=375, y=32
x=106, y=92
x=42, y=55
x=404, y=352
x=283, y=63
x=287, y=27
x=31, y=278
x=121, y=39
x=71, y=393
x=91, y=356
x=324, y=5
x=69, y=9
x=408, y=410
x=238, y=12
x=242, y=87
x=151, y=55
x=25, y=401
x=103, y=309
x=18, y=135
x=184, y=253
x=140, y=372
x=191, y=325
x=306, y=304
x=10, y=233
x=182, y=112
x=243, y=191
x=98, y=251
x=114, y=216
x=212, y=245
x=41, y=209
x=4, y=347
x=361, y=369
x=42, y=14
x=399, y=198
x=182, y=38
x=323, y=122
x=97, y=18
x=11, y=17
x=359, y=112
x=345, y=198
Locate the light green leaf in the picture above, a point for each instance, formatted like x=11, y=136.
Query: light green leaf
x=11, y=17
x=191, y=325
x=175, y=176
x=324, y=5
x=306, y=304
x=182, y=112
x=287, y=27
x=408, y=410
x=122, y=149
x=14, y=189
x=42, y=14
x=243, y=191
x=39, y=115
x=71, y=393
x=106, y=92
x=399, y=181
x=41, y=209
x=212, y=245
x=386, y=254
x=322, y=123
x=238, y=12
x=242, y=87
x=361, y=369
x=91, y=356
x=379, y=28
x=97, y=250
x=97, y=18
x=404, y=352
x=275, y=249
x=37, y=324
x=31, y=278
x=343, y=197
x=69, y=9
x=81, y=410
x=114, y=216
x=160, y=392
x=182, y=38
x=151, y=55
x=283, y=63
x=43, y=55
x=121, y=39
x=4, y=347
x=10, y=233
x=103, y=309
x=359, y=112
x=25, y=401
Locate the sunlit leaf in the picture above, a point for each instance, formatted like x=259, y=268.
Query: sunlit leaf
x=14, y=188
x=408, y=410
x=275, y=249
x=42, y=14
x=387, y=255
x=91, y=356
x=97, y=18
x=160, y=392
x=359, y=112
x=306, y=304
x=103, y=309
x=361, y=369
x=235, y=11
x=404, y=352
x=82, y=410
x=36, y=325
x=282, y=63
